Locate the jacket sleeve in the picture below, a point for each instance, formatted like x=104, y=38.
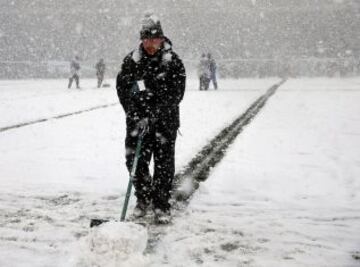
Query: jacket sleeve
x=125, y=83
x=174, y=92
x=134, y=101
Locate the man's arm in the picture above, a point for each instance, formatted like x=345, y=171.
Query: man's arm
x=176, y=84
x=134, y=101
x=124, y=82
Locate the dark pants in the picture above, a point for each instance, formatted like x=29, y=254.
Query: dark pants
x=204, y=82
x=159, y=143
x=76, y=77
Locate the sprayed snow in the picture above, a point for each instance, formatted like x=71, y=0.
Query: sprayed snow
x=113, y=244
x=186, y=187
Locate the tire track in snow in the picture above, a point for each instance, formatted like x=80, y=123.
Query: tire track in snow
x=187, y=180
x=19, y=125
x=211, y=154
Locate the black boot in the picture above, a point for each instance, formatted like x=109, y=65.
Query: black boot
x=140, y=208
x=162, y=216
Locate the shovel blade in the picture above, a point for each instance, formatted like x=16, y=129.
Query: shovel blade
x=97, y=222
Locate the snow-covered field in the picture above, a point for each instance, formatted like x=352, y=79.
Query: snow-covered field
x=286, y=193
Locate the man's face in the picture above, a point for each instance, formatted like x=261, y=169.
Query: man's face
x=152, y=45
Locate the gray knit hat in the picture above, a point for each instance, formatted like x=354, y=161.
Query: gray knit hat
x=151, y=27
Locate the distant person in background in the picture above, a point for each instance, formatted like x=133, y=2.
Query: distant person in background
x=74, y=70
x=100, y=71
x=204, y=72
x=212, y=67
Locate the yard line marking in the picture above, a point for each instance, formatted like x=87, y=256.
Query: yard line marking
x=19, y=125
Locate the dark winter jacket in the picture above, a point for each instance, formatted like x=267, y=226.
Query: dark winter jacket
x=75, y=64
x=204, y=67
x=164, y=78
x=74, y=67
x=100, y=68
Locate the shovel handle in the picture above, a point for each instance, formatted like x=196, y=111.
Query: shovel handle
x=132, y=174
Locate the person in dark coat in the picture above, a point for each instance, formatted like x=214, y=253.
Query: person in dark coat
x=150, y=87
x=74, y=70
x=212, y=67
x=100, y=71
x=204, y=72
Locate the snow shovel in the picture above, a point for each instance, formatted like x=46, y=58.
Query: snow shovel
x=97, y=222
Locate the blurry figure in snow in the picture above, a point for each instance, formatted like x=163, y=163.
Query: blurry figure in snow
x=100, y=71
x=150, y=86
x=74, y=70
x=204, y=72
x=212, y=67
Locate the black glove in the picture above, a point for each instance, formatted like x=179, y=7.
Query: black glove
x=142, y=126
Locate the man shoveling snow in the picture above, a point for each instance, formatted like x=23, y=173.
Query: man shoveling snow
x=150, y=86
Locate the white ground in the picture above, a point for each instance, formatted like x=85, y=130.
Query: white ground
x=286, y=193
